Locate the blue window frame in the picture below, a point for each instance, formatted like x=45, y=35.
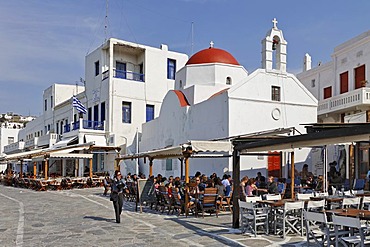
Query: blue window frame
x=121, y=70
x=149, y=112
x=171, y=69
x=102, y=111
x=97, y=68
x=126, y=112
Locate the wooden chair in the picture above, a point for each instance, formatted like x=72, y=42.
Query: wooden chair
x=178, y=204
x=225, y=202
x=252, y=217
x=209, y=201
x=354, y=224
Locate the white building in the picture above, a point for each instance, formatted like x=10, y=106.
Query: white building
x=214, y=98
x=342, y=90
x=125, y=84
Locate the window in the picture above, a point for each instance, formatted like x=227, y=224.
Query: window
x=102, y=111
x=96, y=113
x=97, y=69
x=149, y=112
x=275, y=93
x=51, y=101
x=10, y=140
x=313, y=83
x=46, y=104
x=327, y=92
x=126, y=112
x=57, y=128
x=360, y=80
x=101, y=162
x=171, y=69
x=228, y=80
x=121, y=70
x=168, y=164
x=343, y=78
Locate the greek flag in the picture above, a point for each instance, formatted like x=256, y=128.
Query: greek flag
x=78, y=105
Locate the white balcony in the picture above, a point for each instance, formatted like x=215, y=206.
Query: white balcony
x=47, y=140
x=14, y=147
x=345, y=101
x=31, y=143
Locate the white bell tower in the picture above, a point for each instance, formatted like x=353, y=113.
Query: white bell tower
x=274, y=50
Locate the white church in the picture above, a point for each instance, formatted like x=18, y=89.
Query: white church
x=215, y=97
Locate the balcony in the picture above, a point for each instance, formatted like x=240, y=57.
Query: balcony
x=47, y=140
x=345, y=101
x=86, y=124
x=121, y=74
x=31, y=143
x=14, y=147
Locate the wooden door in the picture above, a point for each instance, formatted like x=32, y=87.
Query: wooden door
x=274, y=164
x=359, y=76
x=344, y=82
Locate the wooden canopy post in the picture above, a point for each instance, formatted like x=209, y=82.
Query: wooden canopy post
x=186, y=182
x=150, y=167
x=90, y=167
x=46, y=163
x=77, y=162
x=21, y=172
x=187, y=169
x=34, y=169
x=236, y=183
x=292, y=167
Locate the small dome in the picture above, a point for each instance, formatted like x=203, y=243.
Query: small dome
x=212, y=55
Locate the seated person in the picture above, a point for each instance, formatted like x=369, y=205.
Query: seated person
x=272, y=187
x=260, y=180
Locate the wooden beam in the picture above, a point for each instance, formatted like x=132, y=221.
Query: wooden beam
x=91, y=166
x=77, y=163
x=292, y=167
x=187, y=169
x=34, y=169
x=21, y=172
x=236, y=183
x=46, y=163
x=150, y=167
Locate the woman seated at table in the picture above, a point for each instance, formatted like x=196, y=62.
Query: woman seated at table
x=251, y=187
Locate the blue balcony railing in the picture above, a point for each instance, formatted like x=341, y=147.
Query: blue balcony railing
x=128, y=75
x=67, y=128
x=95, y=125
x=76, y=125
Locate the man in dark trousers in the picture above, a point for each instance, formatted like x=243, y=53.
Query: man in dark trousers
x=116, y=196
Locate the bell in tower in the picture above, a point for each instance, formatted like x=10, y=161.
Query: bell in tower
x=274, y=49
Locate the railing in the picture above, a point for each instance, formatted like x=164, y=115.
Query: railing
x=344, y=101
x=16, y=146
x=67, y=128
x=76, y=125
x=95, y=125
x=31, y=143
x=128, y=75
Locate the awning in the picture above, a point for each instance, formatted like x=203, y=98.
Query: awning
x=24, y=155
x=192, y=148
x=59, y=155
x=97, y=140
x=314, y=139
x=65, y=142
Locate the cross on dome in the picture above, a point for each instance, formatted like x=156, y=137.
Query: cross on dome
x=275, y=22
x=211, y=44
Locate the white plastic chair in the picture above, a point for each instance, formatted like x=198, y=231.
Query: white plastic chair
x=365, y=203
x=291, y=219
x=301, y=196
x=252, y=217
x=315, y=205
x=271, y=197
x=253, y=198
x=354, y=202
x=354, y=223
x=317, y=228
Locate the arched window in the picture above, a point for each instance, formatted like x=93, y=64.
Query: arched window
x=180, y=83
x=228, y=80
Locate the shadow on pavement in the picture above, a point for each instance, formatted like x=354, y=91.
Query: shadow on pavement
x=99, y=218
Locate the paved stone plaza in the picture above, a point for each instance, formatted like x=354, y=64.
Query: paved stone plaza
x=86, y=218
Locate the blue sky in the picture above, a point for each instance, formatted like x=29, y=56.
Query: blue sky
x=46, y=41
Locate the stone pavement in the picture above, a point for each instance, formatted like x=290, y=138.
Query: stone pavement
x=84, y=217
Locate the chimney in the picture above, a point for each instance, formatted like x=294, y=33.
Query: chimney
x=306, y=62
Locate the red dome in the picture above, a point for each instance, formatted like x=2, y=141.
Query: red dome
x=212, y=55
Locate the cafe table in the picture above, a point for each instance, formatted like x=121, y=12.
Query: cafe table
x=351, y=212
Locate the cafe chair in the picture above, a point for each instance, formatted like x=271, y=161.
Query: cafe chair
x=272, y=197
x=316, y=205
x=356, y=239
x=208, y=203
x=291, y=218
x=354, y=202
x=253, y=198
x=301, y=196
x=359, y=184
x=355, y=192
x=317, y=228
x=253, y=217
x=365, y=203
